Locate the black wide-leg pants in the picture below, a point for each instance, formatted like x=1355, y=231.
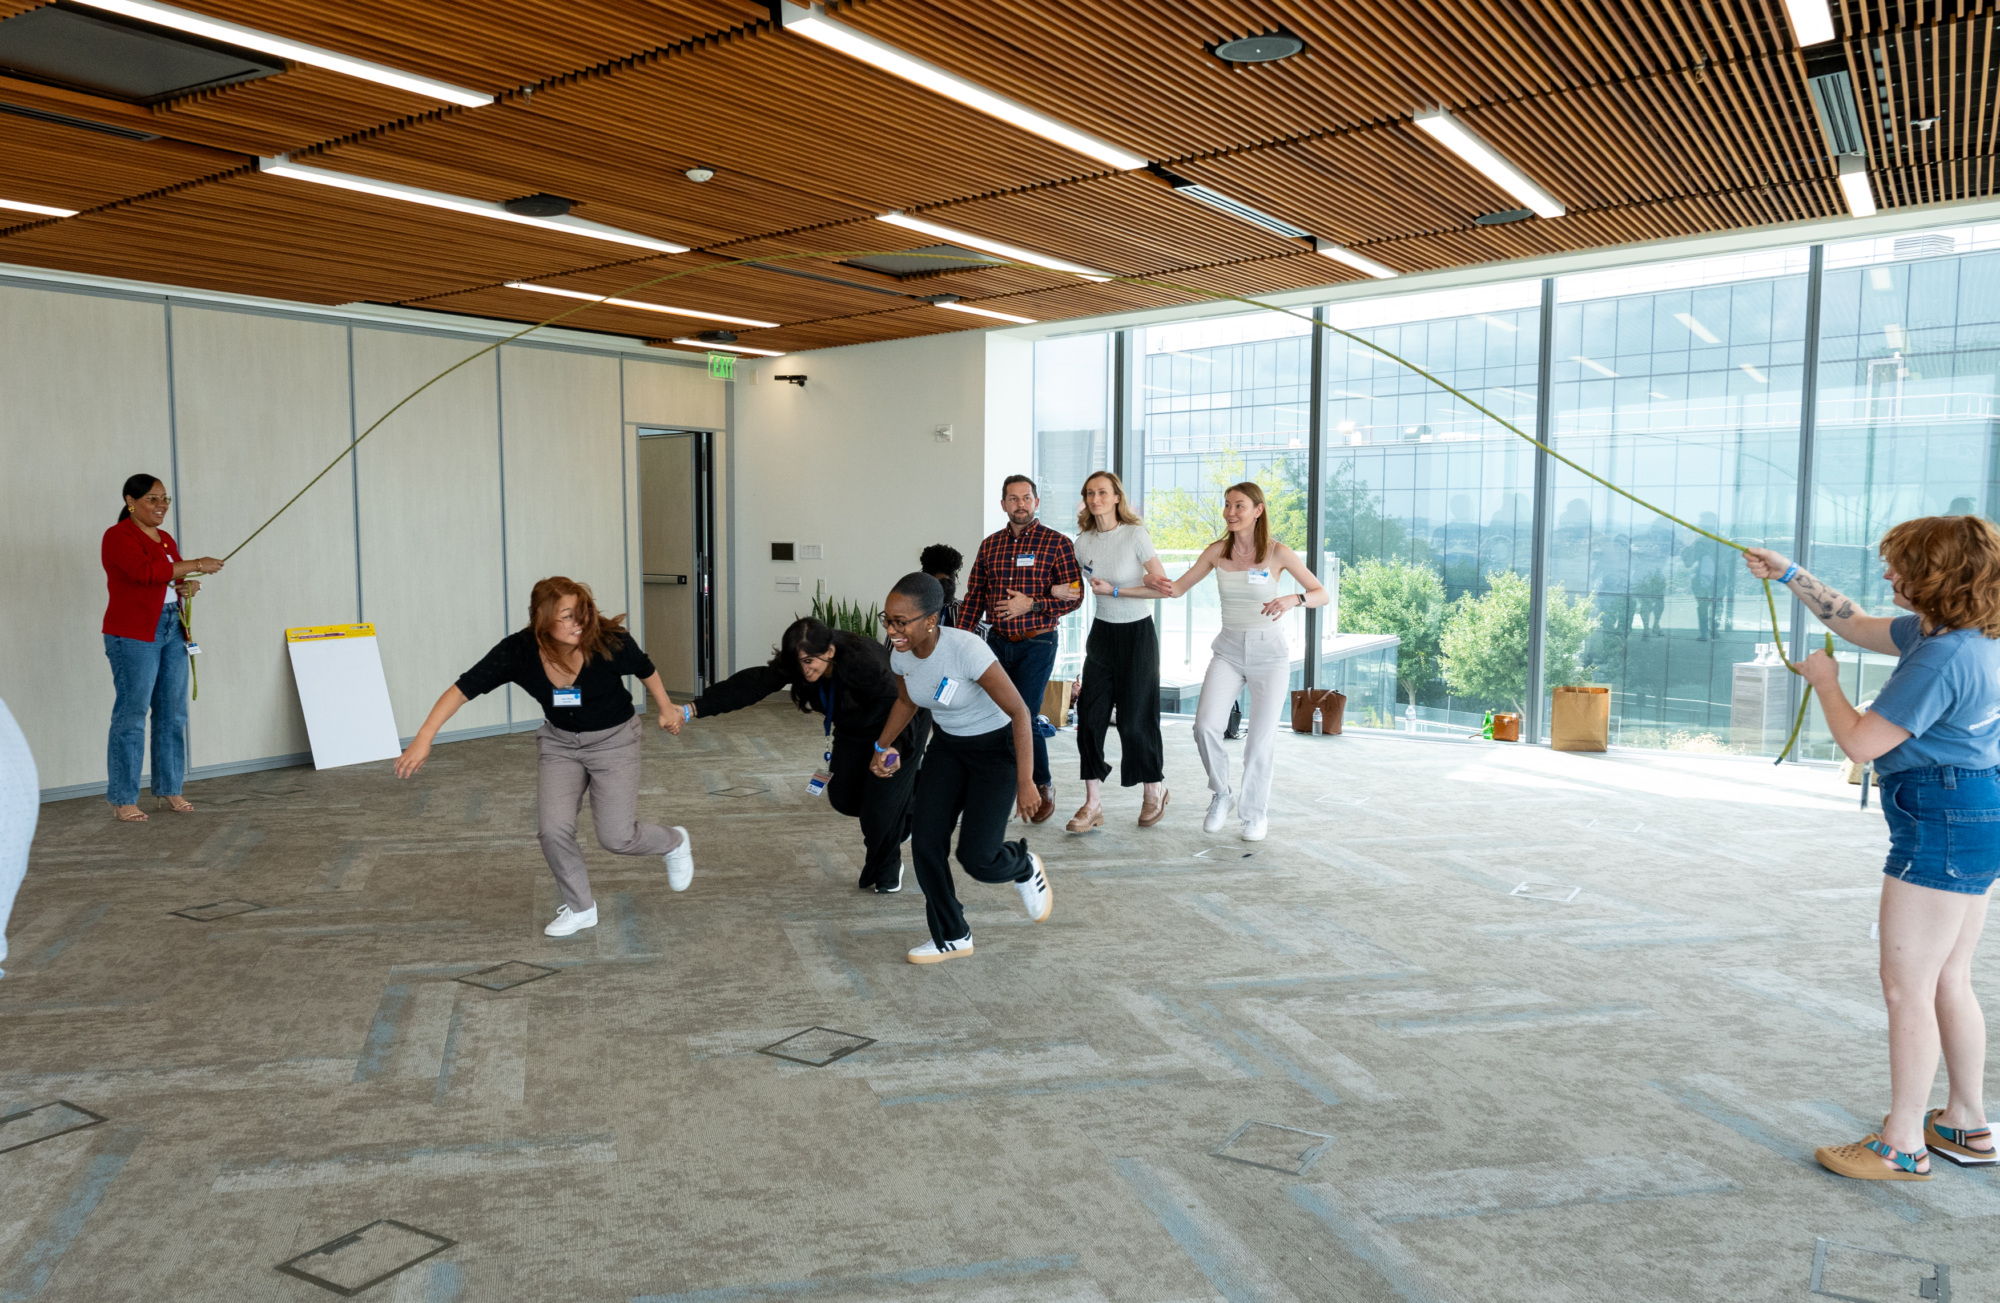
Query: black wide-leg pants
x=882, y=804
x=971, y=782
x=1121, y=667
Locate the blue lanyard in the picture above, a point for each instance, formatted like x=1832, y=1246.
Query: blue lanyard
x=826, y=707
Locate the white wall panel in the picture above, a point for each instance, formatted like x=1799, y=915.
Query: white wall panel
x=261, y=405
x=673, y=395
x=431, y=579
x=83, y=404
x=563, y=440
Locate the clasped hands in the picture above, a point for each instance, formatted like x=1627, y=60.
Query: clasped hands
x=1102, y=587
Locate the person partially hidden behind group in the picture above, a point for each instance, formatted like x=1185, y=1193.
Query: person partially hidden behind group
x=977, y=769
x=148, y=648
x=573, y=661
x=1121, y=656
x=1015, y=577
x=942, y=562
x=845, y=678
x=1933, y=733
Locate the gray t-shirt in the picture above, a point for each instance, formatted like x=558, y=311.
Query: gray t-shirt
x=961, y=657
x=1118, y=558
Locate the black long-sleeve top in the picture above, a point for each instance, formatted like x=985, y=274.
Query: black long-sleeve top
x=856, y=693
x=607, y=702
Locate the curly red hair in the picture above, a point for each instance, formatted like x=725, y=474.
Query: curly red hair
x=1948, y=568
x=599, y=631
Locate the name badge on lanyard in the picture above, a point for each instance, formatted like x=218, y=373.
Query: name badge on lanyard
x=1259, y=576
x=1025, y=559
x=570, y=696
x=816, y=785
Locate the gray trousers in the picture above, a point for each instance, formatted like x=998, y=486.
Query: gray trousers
x=604, y=764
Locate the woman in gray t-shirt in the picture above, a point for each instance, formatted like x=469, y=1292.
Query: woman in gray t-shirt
x=978, y=757
x=1121, y=657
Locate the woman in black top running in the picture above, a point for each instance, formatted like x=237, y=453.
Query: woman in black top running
x=845, y=679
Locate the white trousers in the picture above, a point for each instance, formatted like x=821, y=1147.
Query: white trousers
x=1259, y=658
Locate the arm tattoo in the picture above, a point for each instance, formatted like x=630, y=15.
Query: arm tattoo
x=1825, y=602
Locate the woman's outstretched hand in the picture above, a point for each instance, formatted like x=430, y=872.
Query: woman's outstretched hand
x=670, y=720
x=413, y=758
x=1160, y=584
x=885, y=762
x=1764, y=563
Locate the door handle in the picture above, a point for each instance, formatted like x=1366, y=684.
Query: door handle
x=666, y=579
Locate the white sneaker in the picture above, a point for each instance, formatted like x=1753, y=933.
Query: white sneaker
x=930, y=952
x=680, y=863
x=1036, y=896
x=1218, y=812
x=1254, y=829
x=568, y=921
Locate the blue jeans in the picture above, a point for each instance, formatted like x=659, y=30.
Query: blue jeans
x=1944, y=827
x=1028, y=663
x=148, y=675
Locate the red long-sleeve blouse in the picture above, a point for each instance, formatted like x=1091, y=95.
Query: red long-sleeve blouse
x=136, y=571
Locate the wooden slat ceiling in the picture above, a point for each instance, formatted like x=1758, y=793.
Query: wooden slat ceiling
x=1649, y=119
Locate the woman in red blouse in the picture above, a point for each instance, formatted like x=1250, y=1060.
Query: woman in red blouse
x=147, y=648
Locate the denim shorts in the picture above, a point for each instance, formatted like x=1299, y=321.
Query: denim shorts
x=1944, y=827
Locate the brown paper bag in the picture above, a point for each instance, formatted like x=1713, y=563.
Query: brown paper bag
x=1331, y=706
x=1581, y=719
x=1055, y=702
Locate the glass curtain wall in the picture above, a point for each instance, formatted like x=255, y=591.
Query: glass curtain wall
x=1909, y=362
x=1072, y=403
x=1427, y=506
x=1216, y=402
x=1681, y=382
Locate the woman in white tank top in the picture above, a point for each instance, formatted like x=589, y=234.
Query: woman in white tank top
x=1251, y=650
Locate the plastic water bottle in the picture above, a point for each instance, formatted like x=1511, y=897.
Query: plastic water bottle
x=1319, y=723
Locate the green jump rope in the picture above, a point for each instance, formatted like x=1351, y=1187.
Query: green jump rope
x=1770, y=601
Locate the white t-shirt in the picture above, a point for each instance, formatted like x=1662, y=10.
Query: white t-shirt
x=964, y=710
x=1118, y=558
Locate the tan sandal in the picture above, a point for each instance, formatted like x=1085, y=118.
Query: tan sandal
x=1151, y=812
x=1086, y=818
x=1863, y=1161
x=128, y=814
x=177, y=803
x=1954, y=1144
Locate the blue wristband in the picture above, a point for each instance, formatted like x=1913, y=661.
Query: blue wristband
x=1790, y=574
x=1114, y=590
x=881, y=750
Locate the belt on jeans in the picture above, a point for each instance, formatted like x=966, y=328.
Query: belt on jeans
x=1018, y=637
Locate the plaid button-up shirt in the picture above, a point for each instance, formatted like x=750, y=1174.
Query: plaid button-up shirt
x=999, y=567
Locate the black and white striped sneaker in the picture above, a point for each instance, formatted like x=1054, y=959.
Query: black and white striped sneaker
x=930, y=952
x=1036, y=896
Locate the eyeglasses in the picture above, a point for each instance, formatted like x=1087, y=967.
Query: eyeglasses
x=154, y=497
x=890, y=622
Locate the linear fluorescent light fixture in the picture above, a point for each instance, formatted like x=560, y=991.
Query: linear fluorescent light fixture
x=811, y=22
x=1008, y=251
x=249, y=38
x=986, y=312
x=283, y=166
x=643, y=307
x=1241, y=211
x=1812, y=20
x=1340, y=253
x=1854, y=185
x=1459, y=139
x=733, y=348
x=1695, y=328
x=41, y=210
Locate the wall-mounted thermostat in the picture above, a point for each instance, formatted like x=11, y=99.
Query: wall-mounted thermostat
x=782, y=552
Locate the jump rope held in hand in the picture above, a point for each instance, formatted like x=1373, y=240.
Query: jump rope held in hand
x=1777, y=634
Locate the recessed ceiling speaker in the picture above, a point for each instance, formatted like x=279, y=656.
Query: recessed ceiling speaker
x=1268, y=47
x=716, y=336
x=540, y=206
x=1504, y=216
x=700, y=172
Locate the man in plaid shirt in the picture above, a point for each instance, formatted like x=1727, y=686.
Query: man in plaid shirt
x=1013, y=587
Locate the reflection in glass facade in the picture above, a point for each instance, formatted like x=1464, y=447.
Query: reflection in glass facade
x=1685, y=382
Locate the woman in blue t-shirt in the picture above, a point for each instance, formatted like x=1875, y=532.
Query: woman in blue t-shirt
x=1933, y=732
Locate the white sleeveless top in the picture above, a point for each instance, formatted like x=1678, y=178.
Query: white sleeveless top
x=1242, y=601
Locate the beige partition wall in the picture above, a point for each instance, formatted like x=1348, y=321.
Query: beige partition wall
x=261, y=405
x=77, y=372
x=566, y=474
x=431, y=562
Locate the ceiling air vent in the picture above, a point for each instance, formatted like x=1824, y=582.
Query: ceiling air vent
x=931, y=260
x=81, y=124
x=540, y=205
x=1833, y=94
x=119, y=59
